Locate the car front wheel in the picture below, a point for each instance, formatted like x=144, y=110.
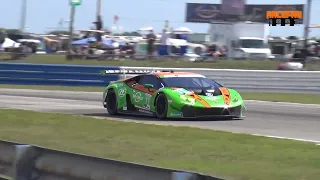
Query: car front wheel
x=111, y=102
x=161, y=106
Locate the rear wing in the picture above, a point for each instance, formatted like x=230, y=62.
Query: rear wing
x=131, y=72
x=124, y=71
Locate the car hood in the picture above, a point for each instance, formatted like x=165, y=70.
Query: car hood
x=218, y=97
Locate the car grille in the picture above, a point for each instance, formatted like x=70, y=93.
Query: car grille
x=189, y=111
x=235, y=111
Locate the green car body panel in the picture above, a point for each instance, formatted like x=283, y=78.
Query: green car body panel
x=177, y=99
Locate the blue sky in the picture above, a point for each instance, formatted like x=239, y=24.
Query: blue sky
x=44, y=15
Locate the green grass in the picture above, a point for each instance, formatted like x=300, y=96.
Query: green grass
x=5, y=177
x=279, y=97
x=228, y=155
x=63, y=88
x=241, y=64
x=282, y=97
x=221, y=64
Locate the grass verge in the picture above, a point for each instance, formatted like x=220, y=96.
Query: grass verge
x=233, y=156
x=277, y=97
x=224, y=64
x=3, y=177
x=221, y=64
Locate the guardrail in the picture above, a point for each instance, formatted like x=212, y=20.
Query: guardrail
x=54, y=74
x=258, y=80
x=24, y=162
x=78, y=75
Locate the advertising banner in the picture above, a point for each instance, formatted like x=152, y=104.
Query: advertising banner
x=207, y=13
x=233, y=7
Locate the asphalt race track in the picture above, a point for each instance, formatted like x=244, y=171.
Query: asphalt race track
x=264, y=118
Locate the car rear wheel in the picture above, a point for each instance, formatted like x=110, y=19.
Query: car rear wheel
x=111, y=102
x=161, y=106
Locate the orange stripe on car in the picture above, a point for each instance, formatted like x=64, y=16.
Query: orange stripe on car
x=226, y=95
x=199, y=99
x=140, y=87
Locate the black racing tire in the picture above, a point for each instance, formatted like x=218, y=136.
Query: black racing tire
x=161, y=106
x=111, y=102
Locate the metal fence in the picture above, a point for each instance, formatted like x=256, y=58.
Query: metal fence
x=109, y=56
x=258, y=80
x=79, y=75
x=53, y=74
x=25, y=162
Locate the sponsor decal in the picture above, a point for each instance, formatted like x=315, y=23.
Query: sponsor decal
x=207, y=13
x=176, y=114
x=182, y=91
x=137, y=96
x=145, y=111
x=169, y=101
x=211, y=98
x=188, y=100
x=190, y=103
x=147, y=104
x=122, y=92
x=140, y=107
x=209, y=94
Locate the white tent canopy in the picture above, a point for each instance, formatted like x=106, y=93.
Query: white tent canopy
x=8, y=43
x=183, y=30
x=146, y=29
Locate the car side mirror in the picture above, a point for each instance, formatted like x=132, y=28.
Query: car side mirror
x=148, y=86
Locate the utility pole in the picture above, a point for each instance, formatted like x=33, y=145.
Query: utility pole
x=72, y=13
x=23, y=15
x=98, y=11
x=306, y=28
x=73, y=4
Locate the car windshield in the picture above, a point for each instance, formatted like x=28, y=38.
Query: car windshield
x=252, y=43
x=190, y=82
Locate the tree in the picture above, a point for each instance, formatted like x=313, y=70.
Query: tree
x=2, y=35
x=59, y=32
x=134, y=33
x=13, y=31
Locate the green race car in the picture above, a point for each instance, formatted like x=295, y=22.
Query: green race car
x=172, y=95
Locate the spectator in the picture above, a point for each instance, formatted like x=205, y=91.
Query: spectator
x=211, y=49
x=151, y=38
x=224, y=51
x=165, y=43
x=164, y=37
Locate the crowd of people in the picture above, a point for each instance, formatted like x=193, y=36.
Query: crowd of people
x=212, y=50
x=98, y=50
